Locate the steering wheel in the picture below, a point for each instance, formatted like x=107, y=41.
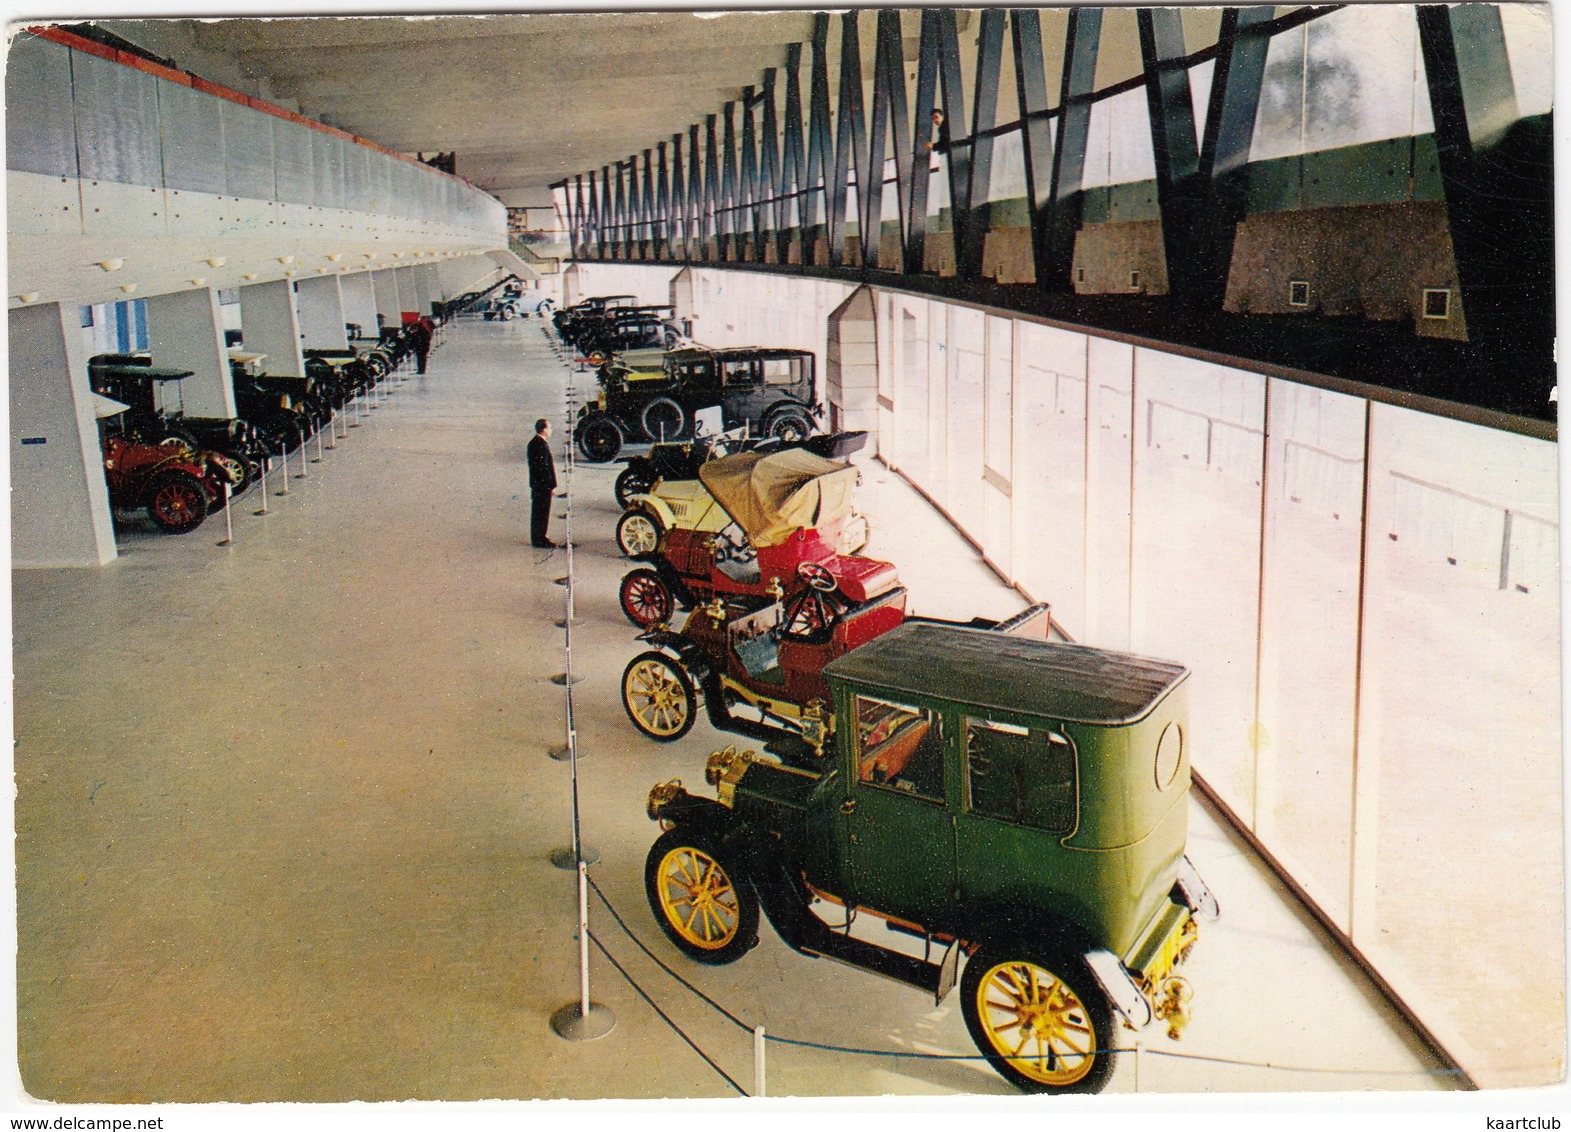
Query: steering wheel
x=817, y=576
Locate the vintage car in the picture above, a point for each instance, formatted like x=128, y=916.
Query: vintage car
x=767, y=659
x=770, y=391
x=1022, y=804
x=147, y=391
x=627, y=328
x=678, y=498
x=681, y=460
x=283, y=411
x=174, y=482
x=567, y=319
x=782, y=510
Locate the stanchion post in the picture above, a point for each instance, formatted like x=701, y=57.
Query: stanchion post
x=317, y=459
x=760, y=1089
x=229, y=523
x=300, y=475
x=267, y=462
x=332, y=427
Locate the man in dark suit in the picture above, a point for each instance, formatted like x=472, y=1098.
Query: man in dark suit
x=542, y=484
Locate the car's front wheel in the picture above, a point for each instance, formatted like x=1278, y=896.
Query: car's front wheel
x=177, y=501
x=646, y=599
x=699, y=900
x=599, y=440
x=632, y=481
x=1039, y=1018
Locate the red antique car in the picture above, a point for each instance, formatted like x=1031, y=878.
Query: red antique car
x=788, y=513
x=769, y=659
x=175, y=483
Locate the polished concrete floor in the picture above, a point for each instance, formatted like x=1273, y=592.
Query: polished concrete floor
x=285, y=813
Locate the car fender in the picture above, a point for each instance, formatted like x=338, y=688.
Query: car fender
x=656, y=507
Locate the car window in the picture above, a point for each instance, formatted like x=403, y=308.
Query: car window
x=1024, y=775
x=900, y=748
x=782, y=371
x=740, y=371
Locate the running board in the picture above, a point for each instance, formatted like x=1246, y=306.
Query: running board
x=913, y=972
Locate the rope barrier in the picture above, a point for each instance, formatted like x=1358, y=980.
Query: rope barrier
x=664, y=1017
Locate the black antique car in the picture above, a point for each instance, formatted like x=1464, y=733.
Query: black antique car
x=767, y=390
x=567, y=319
x=627, y=328
x=155, y=412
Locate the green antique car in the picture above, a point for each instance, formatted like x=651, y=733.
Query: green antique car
x=1021, y=802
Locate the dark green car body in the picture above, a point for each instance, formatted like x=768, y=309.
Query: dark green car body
x=979, y=789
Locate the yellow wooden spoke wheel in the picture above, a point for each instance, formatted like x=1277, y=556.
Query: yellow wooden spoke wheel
x=1044, y=1024
x=658, y=696
x=698, y=898
x=700, y=904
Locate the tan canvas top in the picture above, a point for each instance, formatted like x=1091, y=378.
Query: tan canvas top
x=774, y=494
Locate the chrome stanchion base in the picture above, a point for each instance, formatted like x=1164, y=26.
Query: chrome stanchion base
x=573, y=1024
x=563, y=858
x=562, y=622
x=562, y=754
x=561, y=679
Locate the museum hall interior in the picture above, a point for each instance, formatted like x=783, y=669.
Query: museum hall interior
x=551, y=553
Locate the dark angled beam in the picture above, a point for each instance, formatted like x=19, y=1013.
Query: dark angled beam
x=819, y=155
x=711, y=201
x=662, y=236
x=725, y=209
x=850, y=138
x=1236, y=82
x=794, y=166
x=580, y=218
x=695, y=197
x=748, y=220
x=648, y=206
x=915, y=190
x=676, y=238
x=769, y=163
x=1499, y=198
x=1036, y=132
x=1180, y=193
x=890, y=128
x=608, y=232
x=1082, y=37
x=972, y=211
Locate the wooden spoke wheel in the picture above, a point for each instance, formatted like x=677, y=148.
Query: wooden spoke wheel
x=702, y=905
x=646, y=599
x=637, y=533
x=177, y=501
x=658, y=696
x=1041, y=1020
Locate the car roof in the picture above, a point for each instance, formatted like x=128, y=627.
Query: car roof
x=1053, y=679
x=733, y=351
x=146, y=373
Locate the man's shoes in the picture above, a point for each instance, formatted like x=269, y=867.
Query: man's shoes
x=546, y=545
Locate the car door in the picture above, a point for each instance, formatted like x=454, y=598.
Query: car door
x=899, y=827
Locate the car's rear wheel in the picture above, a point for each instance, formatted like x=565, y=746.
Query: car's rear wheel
x=599, y=440
x=658, y=696
x=1039, y=1018
x=699, y=900
x=637, y=533
x=177, y=501
x=664, y=419
x=646, y=599
x=789, y=424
